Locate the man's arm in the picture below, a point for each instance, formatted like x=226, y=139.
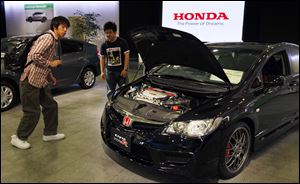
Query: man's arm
x=126, y=63
x=102, y=66
x=44, y=43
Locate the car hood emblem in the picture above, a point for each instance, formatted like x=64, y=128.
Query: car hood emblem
x=127, y=121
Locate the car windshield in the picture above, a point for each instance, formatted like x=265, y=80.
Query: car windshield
x=235, y=63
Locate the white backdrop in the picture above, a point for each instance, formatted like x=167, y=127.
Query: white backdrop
x=210, y=21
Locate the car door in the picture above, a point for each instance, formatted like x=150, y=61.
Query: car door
x=37, y=16
x=277, y=103
x=72, y=56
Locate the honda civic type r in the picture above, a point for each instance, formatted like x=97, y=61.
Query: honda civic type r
x=202, y=108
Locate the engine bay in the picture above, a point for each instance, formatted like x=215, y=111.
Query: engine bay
x=169, y=100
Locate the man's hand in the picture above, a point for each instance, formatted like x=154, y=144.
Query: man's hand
x=55, y=63
x=123, y=73
x=102, y=76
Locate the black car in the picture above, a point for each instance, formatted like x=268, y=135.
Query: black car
x=80, y=65
x=201, y=109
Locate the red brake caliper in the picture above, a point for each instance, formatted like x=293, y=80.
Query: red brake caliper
x=227, y=152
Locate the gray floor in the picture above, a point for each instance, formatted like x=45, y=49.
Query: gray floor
x=81, y=158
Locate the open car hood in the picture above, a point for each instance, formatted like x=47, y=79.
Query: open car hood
x=160, y=45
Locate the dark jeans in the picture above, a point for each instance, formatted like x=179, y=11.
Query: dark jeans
x=31, y=99
x=112, y=79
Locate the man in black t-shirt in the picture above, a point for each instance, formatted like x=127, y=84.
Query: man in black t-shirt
x=114, y=58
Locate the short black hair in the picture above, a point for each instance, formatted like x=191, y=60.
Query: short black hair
x=110, y=25
x=56, y=21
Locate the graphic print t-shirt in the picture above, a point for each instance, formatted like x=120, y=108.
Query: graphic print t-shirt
x=114, y=53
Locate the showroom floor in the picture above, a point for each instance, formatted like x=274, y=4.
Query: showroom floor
x=81, y=158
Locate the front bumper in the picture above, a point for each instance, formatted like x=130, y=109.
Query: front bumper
x=171, y=154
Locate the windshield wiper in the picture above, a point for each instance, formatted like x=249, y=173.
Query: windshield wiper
x=189, y=80
x=176, y=77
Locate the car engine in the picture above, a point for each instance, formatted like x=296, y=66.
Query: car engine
x=165, y=99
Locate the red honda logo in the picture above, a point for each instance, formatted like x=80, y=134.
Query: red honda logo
x=127, y=121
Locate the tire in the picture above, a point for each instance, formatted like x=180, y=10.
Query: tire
x=9, y=96
x=87, y=78
x=30, y=19
x=44, y=19
x=235, y=155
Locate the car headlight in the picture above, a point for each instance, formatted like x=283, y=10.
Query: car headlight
x=194, y=128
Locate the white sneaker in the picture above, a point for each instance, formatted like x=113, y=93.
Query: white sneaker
x=53, y=137
x=15, y=141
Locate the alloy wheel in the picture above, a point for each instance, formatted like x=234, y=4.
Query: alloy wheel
x=237, y=149
x=6, y=96
x=89, y=78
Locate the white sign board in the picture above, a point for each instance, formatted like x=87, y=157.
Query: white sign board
x=209, y=21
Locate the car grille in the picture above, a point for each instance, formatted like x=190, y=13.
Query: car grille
x=142, y=153
x=138, y=126
x=178, y=158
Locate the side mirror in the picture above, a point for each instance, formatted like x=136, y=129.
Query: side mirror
x=257, y=84
x=274, y=81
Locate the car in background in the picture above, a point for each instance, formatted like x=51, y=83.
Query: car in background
x=201, y=109
x=80, y=65
x=37, y=16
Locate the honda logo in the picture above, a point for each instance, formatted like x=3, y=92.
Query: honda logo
x=201, y=16
x=127, y=121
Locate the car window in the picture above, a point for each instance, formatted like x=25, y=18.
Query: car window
x=294, y=60
x=275, y=65
x=70, y=46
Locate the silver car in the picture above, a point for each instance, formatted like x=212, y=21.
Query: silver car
x=80, y=65
x=37, y=16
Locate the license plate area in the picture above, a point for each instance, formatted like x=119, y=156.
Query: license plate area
x=121, y=139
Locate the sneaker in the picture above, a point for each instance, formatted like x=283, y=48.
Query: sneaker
x=15, y=141
x=53, y=137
